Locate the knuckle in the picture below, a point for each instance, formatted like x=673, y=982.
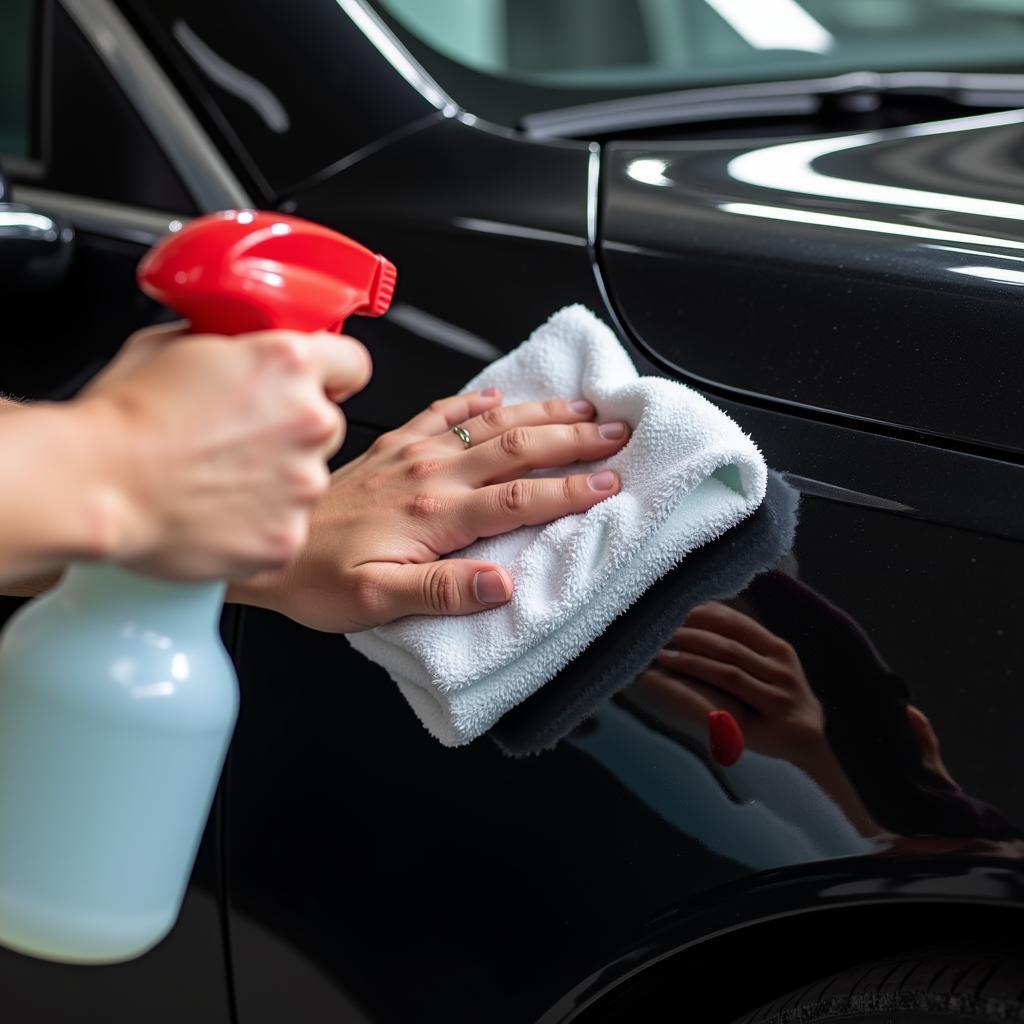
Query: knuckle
x=423, y=469
x=571, y=492
x=515, y=442
x=439, y=405
x=285, y=542
x=579, y=435
x=413, y=451
x=317, y=422
x=783, y=649
x=441, y=590
x=709, y=612
x=426, y=506
x=513, y=497
x=552, y=409
x=494, y=419
x=728, y=649
x=731, y=675
x=309, y=483
x=384, y=443
x=369, y=594
x=286, y=349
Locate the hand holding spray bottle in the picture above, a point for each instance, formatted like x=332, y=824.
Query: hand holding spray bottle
x=117, y=697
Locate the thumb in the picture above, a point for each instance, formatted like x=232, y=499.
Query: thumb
x=453, y=586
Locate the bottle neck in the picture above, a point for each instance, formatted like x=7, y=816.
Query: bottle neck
x=90, y=586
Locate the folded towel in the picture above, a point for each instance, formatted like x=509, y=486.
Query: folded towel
x=688, y=474
x=719, y=570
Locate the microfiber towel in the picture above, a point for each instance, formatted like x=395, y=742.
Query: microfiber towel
x=688, y=473
x=716, y=572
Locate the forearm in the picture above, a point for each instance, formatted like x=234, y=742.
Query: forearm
x=37, y=584
x=58, y=500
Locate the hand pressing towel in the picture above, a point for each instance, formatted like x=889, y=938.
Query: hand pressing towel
x=718, y=571
x=688, y=475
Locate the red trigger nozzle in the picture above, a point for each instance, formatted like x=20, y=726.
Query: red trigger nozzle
x=246, y=270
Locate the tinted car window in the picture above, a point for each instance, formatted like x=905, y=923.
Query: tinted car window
x=506, y=59
x=630, y=43
x=17, y=18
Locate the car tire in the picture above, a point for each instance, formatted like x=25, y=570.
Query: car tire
x=944, y=985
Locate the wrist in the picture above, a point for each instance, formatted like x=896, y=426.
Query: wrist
x=257, y=591
x=103, y=466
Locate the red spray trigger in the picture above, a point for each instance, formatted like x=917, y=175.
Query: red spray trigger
x=246, y=270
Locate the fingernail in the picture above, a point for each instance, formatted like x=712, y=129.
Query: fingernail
x=603, y=481
x=489, y=392
x=489, y=587
x=583, y=407
x=611, y=431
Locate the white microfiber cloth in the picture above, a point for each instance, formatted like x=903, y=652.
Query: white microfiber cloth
x=688, y=474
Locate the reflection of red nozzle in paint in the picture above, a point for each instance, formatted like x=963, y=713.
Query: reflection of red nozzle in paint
x=244, y=270
x=725, y=737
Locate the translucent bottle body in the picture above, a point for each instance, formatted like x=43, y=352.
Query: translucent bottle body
x=117, y=703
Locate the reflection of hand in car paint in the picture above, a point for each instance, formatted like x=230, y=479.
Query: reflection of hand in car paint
x=732, y=663
x=721, y=659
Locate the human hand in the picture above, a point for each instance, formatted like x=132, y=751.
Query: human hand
x=214, y=449
x=378, y=537
x=722, y=660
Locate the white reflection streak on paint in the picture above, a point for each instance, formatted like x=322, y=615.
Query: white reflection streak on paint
x=881, y=227
x=787, y=168
x=648, y=171
x=998, y=274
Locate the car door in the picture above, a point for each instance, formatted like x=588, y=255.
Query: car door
x=76, y=149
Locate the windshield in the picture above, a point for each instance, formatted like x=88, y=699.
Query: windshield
x=637, y=45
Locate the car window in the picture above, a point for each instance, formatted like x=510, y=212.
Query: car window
x=17, y=77
x=633, y=44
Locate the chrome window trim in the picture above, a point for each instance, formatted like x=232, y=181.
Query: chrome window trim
x=191, y=152
x=394, y=51
x=99, y=217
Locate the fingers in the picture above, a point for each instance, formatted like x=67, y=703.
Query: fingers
x=342, y=363
x=157, y=334
x=500, y=508
x=453, y=586
x=725, y=676
x=496, y=420
x=669, y=698
x=445, y=413
x=729, y=622
x=721, y=648
x=690, y=698
x=521, y=449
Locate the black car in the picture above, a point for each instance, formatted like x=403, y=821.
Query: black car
x=811, y=212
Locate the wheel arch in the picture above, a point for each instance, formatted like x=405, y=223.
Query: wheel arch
x=748, y=945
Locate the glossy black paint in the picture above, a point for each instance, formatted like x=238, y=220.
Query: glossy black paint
x=870, y=276
x=322, y=91
x=883, y=533
x=497, y=231
x=98, y=145
x=366, y=874
x=690, y=955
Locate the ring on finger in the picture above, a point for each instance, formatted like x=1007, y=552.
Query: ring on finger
x=463, y=435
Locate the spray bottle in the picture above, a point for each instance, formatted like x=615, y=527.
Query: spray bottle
x=117, y=698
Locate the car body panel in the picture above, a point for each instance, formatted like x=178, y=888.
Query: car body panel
x=873, y=275
x=354, y=869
